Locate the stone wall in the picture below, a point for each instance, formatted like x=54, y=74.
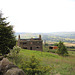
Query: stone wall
x=8, y=68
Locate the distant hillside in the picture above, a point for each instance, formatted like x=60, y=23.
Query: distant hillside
x=52, y=37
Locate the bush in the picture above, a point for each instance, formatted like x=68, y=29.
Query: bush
x=33, y=67
x=14, y=54
x=15, y=50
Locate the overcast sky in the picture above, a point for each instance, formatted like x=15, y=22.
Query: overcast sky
x=40, y=15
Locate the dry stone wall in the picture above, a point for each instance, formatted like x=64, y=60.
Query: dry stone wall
x=8, y=68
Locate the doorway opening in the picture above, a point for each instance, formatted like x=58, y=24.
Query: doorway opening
x=30, y=48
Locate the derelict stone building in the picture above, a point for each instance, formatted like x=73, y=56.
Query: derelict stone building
x=31, y=44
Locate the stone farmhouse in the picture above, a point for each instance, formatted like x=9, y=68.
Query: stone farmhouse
x=31, y=44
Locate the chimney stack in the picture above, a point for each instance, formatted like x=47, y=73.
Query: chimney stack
x=19, y=37
x=18, y=44
x=40, y=37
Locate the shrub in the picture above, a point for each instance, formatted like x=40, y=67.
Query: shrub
x=15, y=50
x=14, y=54
x=33, y=67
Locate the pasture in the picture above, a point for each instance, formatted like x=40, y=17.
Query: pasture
x=61, y=65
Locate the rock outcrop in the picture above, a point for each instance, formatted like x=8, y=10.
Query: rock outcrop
x=8, y=68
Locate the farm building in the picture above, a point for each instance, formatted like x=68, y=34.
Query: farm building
x=31, y=44
x=53, y=47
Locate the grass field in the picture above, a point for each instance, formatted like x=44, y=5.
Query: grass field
x=69, y=44
x=61, y=65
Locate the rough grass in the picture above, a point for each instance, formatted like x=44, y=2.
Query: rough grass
x=61, y=65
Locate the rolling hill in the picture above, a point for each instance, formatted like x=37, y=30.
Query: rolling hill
x=50, y=37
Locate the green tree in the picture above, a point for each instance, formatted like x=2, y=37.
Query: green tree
x=62, y=50
x=7, y=38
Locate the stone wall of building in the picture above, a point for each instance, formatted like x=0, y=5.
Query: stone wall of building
x=31, y=44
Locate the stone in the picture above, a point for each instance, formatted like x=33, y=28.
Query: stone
x=3, y=64
x=14, y=71
x=8, y=68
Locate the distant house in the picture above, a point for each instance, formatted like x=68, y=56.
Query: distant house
x=53, y=47
x=31, y=44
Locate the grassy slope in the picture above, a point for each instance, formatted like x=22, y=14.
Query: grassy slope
x=62, y=65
